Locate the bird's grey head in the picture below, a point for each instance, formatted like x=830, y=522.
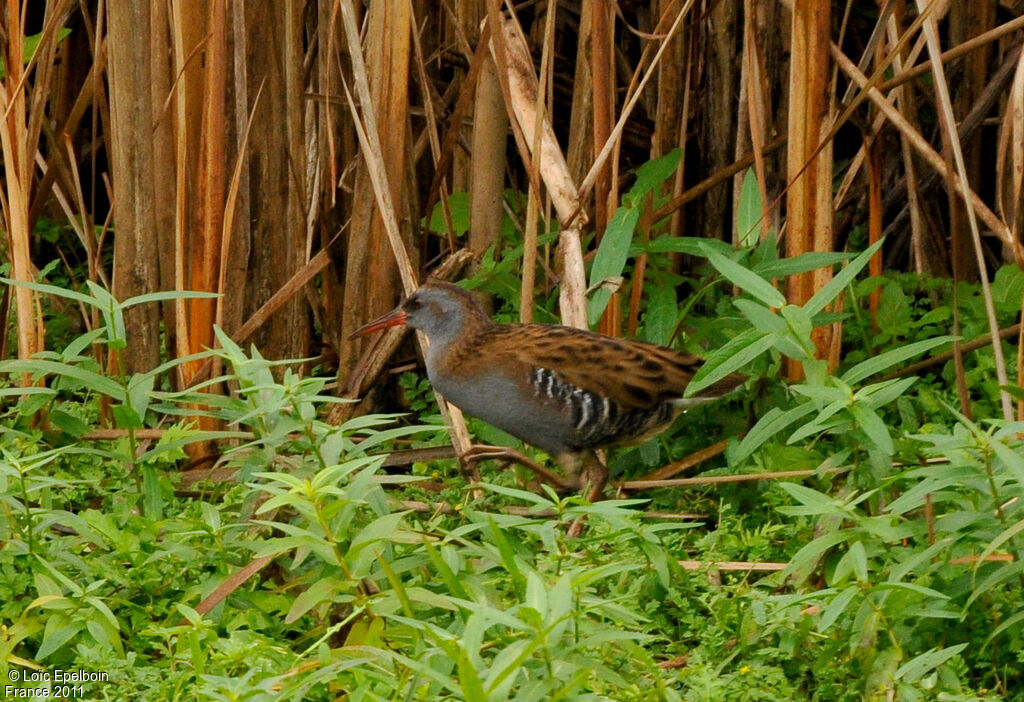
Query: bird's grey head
x=441, y=310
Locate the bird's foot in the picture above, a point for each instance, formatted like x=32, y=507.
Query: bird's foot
x=594, y=477
x=483, y=452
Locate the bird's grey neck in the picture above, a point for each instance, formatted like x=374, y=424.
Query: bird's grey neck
x=443, y=335
x=452, y=328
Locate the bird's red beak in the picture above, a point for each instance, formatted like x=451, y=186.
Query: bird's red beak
x=394, y=318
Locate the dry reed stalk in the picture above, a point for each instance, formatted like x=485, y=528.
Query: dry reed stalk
x=809, y=158
x=388, y=74
x=368, y=132
x=677, y=467
x=370, y=275
x=920, y=69
x=533, y=202
x=230, y=210
x=744, y=566
x=913, y=199
x=611, y=143
x=20, y=101
x=462, y=107
x=758, y=110
x=1010, y=180
x=948, y=123
x=921, y=146
x=488, y=133
x=715, y=179
x=487, y=168
x=874, y=173
x=718, y=479
x=1010, y=165
x=602, y=49
x=962, y=23
x=581, y=122
x=136, y=256
x=188, y=26
x=204, y=259
x=520, y=86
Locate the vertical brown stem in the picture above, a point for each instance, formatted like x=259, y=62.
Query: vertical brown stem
x=135, y=182
x=603, y=72
x=810, y=176
x=18, y=172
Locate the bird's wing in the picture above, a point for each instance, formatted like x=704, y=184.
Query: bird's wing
x=634, y=374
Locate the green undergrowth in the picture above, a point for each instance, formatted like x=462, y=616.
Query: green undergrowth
x=307, y=571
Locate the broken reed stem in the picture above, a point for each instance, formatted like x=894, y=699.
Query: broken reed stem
x=674, y=469
x=421, y=507
x=719, y=479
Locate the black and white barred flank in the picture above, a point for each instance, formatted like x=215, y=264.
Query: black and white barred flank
x=599, y=420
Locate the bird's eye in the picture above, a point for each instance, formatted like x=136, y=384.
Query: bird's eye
x=413, y=303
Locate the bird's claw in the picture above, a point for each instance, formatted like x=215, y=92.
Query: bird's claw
x=483, y=452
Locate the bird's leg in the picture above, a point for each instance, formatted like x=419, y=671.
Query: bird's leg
x=481, y=452
x=593, y=478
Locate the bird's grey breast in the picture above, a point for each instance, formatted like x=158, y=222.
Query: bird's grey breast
x=500, y=398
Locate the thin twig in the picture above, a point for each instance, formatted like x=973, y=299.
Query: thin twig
x=720, y=479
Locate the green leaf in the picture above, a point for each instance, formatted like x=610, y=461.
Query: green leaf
x=508, y=554
x=750, y=282
x=652, y=174
x=854, y=561
x=1013, y=461
x=915, y=497
x=872, y=425
x=1009, y=623
x=71, y=351
x=59, y=631
x=883, y=361
x=690, y=245
x=911, y=587
x=749, y=210
x=811, y=261
x=880, y=394
x=814, y=502
x=761, y=317
x=822, y=423
x=92, y=381
x=832, y=288
x=772, y=423
x=68, y=423
x=1003, y=537
x=30, y=44
x=800, y=327
x=808, y=553
x=126, y=418
x=1008, y=288
x=458, y=206
x=999, y=575
x=153, y=500
x=836, y=607
x=30, y=390
x=916, y=668
x=469, y=679
x=660, y=318
x=140, y=389
x=536, y=594
x=822, y=393
x=54, y=290
x=610, y=259
x=167, y=295
x=323, y=590
x=381, y=529
x=506, y=665
x=736, y=354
